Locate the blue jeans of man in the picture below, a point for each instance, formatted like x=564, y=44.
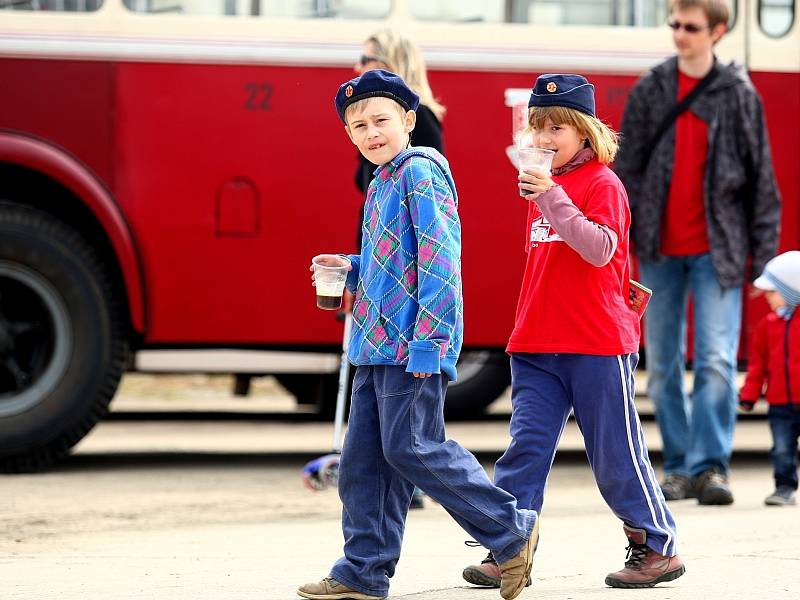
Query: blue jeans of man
x=396, y=440
x=599, y=390
x=784, y=422
x=698, y=436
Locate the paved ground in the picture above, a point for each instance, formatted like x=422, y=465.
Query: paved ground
x=202, y=527
x=197, y=509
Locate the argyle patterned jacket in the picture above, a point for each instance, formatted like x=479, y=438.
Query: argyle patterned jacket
x=408, y=306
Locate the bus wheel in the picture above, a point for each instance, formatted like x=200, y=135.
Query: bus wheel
x=62, y=350
x=316, y=390
x=482, y=377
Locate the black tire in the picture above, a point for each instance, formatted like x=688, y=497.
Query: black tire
x=62, y=347
x=317, y=390
x=482, y=377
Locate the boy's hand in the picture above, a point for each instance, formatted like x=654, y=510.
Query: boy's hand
x=746, y=405
x=534, y=182
x=422, y=375
x=325, y=260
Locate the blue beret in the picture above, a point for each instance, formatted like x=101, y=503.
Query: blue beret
x=558, y=89
x=376, y=82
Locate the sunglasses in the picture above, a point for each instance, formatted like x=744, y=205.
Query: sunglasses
x=365, y=59
x=687, y=27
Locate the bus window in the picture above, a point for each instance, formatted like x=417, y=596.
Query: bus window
x=291, y=9
x=650, y=13
x=52, y=5
x=776, y=17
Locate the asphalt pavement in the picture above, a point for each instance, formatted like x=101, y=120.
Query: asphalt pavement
x=203, y=508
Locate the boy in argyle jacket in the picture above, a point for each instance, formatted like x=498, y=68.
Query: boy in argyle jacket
x=407, y=331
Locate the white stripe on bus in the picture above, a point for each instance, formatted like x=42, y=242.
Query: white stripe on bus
x=306, y=54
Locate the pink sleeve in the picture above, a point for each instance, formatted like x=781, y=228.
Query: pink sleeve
x=594, y=242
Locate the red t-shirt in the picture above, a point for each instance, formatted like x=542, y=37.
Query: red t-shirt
x=684, y=230
x=566, y=304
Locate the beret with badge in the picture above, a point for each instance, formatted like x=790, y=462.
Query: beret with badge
x=375, y=83
x=560, y=89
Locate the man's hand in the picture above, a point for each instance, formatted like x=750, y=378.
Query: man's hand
x=746, y=405
x=422, y=375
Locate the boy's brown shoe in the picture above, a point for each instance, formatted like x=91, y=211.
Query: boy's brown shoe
x=330, y=589
x=644, y=567
x=514, y=572
x=486, y=574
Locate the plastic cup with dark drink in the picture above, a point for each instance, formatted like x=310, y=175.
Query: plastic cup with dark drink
x=330, y=274
x=534, y=158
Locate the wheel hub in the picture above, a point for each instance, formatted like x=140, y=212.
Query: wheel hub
x=35, y=336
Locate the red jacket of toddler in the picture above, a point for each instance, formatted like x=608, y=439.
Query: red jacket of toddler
x=774, y=360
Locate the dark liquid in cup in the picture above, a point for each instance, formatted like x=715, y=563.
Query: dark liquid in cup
x=329, y=302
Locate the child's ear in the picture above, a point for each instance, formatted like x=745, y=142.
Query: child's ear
x=349, y=133
x=410, y=121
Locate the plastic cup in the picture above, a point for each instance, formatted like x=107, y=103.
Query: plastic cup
x=534, y=158
x=330, y=274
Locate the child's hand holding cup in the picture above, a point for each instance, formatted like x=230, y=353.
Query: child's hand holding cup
x=329, y=276
x=533, y=159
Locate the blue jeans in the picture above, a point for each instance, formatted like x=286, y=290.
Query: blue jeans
x=396, y=440
x=784, y=422
x=697, y=437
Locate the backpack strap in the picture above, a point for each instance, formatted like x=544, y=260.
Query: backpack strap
x=676, y=111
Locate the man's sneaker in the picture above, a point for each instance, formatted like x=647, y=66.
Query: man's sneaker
x=712, y=488
x=514, y=572
x=330, y=589
x=677, y=487
x=782, y=496
x=644, y=567
x=486, y=574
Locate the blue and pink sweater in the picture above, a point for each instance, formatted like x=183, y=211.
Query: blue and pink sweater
x=407, y=280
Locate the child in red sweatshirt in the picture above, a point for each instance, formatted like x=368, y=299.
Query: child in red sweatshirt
x=774, y=363
x=575, y=340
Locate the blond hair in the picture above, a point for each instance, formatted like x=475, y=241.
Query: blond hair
x=603, y=140
x=401, y=56
x=716, y=11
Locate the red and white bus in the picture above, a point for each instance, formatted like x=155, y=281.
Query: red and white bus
x=168, y=168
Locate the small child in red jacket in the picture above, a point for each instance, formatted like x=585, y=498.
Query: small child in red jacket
x=774, y=361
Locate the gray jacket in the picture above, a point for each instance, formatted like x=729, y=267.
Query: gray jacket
x=742, y=202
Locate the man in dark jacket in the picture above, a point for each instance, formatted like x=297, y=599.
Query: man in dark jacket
x=703, y=199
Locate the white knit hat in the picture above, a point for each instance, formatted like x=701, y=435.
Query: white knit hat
x=782, y=273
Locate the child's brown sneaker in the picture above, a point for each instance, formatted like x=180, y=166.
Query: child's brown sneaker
x=330, y=589
x=514, y=572
x=644, y=567
x=486, y=574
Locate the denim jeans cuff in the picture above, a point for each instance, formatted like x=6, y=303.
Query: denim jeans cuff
x=515, y=547
x=357, y=586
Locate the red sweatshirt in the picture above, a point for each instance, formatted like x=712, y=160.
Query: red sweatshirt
x=566, y=303
x=774, y=360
